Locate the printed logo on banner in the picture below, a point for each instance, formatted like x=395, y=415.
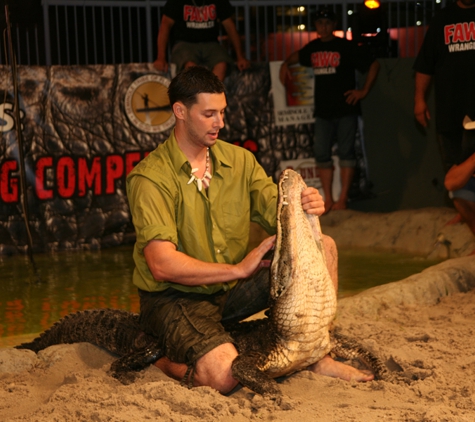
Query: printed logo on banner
x=7, y=119
x=147, y=105
x=249, y=144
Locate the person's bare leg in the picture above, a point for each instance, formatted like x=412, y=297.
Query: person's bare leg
x=455, y=220
x=328, y=366
x=326, y=178
x=220, y=70
x=212, y=370
x=467, y=212
x=171, y=369
x=332, y=368
x=346, y=176
x=331, y=256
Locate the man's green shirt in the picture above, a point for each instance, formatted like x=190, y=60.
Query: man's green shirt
x=211, y=225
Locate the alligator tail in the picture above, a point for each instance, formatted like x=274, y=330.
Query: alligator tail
x=115, y=330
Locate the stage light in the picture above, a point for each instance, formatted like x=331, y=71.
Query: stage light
x=372, y=4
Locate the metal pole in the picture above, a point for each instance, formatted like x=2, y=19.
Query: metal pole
x=148, y=23
x=46, y=29
x=21, y=158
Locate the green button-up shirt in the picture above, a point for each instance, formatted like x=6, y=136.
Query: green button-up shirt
x=211, y=225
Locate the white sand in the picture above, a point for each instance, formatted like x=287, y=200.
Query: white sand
x=423, y=325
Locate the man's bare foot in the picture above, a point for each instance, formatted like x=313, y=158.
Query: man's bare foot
x=457, y=219
x=328, y=206
x=340, y=205
x=332, y=368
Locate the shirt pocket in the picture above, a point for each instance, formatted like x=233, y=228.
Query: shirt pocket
x=236, y=216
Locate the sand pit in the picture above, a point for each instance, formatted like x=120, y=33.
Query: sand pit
x=422, y=326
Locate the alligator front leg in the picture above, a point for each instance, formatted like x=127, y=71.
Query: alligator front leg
x=122, y=369
x=245, y=370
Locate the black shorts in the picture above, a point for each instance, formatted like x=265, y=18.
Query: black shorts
x=189, y=325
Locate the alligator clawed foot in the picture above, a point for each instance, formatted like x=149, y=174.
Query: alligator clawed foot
x=245, y=370
x=125, y=369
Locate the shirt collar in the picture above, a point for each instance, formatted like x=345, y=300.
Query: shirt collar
x=180, y=162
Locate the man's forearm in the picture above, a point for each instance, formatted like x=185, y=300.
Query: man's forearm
x=234, y=37
x=422, y=82
x=292, y=59
x=421, y=110
x=284, y=68
x=163, y=36
x=166, y=263
x=371, y=76
x=458, y=176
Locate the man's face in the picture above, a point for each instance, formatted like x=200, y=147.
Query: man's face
x=325, y=28
x=205, y=118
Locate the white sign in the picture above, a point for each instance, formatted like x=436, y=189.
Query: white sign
x=293, y=103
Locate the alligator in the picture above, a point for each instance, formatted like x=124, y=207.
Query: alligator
x=294, y=335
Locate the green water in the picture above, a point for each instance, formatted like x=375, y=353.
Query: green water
x=72, y=281
x=362, y=269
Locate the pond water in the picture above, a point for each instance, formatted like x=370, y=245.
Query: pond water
x=72, y=281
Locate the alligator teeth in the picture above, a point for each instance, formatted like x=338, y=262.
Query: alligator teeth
x=285, y=203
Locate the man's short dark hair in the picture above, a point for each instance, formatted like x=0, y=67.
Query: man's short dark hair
x=190, y=82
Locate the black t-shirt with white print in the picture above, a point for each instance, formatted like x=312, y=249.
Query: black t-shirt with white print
x=334, y=64
x=197, y=20
x=448, y=53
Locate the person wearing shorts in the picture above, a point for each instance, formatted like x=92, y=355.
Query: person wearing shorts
x=460, y=181
x=334, y=62
x=192, y=200
x=194, y=25
x=446, y=61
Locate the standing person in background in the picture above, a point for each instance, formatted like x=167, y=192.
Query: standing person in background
x=448, y=55
x=195, y=25
x=460, y=182
x=336, y=99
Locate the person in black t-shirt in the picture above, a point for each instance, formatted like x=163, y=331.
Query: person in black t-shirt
x=194, y=25
x=336, y=100
x=447, y=55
